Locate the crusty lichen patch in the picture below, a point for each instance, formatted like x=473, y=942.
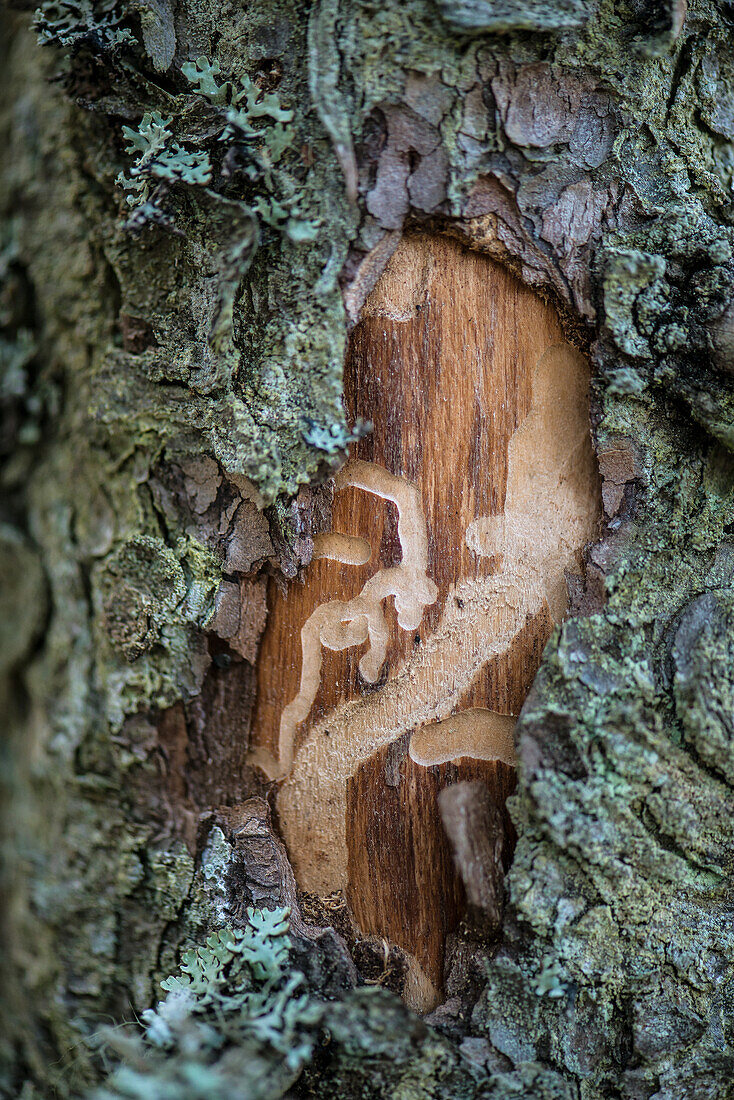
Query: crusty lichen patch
x=590, y=146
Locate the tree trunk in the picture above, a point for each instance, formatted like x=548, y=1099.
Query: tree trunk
x=479, y=413
x=367, y=430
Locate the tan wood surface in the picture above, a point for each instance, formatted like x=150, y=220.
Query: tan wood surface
x=399, y=663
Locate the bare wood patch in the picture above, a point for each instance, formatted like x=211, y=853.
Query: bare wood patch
x=400, y=663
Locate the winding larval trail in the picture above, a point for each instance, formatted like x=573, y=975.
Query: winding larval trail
x=548, y=519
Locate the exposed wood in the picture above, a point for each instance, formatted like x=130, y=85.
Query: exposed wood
x=399, y=663
x=401, y=867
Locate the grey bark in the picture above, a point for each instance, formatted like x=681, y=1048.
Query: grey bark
x=171, y=402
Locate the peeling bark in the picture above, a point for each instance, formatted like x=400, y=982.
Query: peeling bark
x=172, y=412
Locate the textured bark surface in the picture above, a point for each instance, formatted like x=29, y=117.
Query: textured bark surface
x=171, y=409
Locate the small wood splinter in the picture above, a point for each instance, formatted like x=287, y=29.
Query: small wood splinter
x=475, y=828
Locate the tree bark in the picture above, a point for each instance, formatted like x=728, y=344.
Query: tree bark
x=232, y=236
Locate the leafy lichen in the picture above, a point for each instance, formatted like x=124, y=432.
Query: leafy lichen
x=212, y=328
x=156, y=157
x=71, y=22
x=239, y=1019
x=235, y=1021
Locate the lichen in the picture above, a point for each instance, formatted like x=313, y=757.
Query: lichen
x=235, y=1020
x=71, y=22
x=208, y=324
x=157, y=158
x=239, y=1019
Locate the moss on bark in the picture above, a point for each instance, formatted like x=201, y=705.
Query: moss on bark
x=173, y=365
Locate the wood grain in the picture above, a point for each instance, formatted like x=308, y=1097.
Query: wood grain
x=478, y=404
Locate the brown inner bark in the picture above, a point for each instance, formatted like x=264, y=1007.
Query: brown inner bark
x=442, y=365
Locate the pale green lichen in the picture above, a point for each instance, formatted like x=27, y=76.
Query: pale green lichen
x=245, y=104
x=203, y=74
x=239, y=1020
x=71, y=22
x=619, y=886
x=245, y=107
x=244, y=100
x=236, y=1021
x=159, y=158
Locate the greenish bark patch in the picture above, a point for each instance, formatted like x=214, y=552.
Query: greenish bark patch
x=173, y=364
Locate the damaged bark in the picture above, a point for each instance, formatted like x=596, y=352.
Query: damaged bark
x=199, y=202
